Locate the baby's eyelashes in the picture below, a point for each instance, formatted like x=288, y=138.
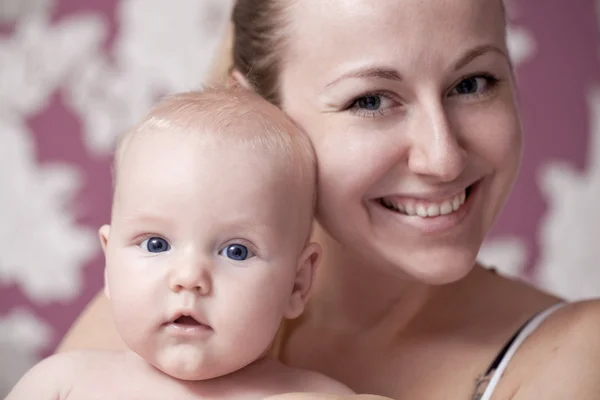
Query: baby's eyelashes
x=236, y=252
x=155, y=245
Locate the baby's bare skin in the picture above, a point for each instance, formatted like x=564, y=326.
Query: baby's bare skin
x=201, y=268
x=323, y=396
x=102, y=375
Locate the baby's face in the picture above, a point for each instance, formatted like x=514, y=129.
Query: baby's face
x=202, y=252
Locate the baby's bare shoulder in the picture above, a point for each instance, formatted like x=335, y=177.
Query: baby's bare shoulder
x=312, y=381
x=301, y=380
x=53, y=377
x=85, y=362
x=59, y=375
x=324, y=396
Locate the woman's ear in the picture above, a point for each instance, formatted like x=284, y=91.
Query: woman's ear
x=103, y=233
x=305, y=275
x=236, y=78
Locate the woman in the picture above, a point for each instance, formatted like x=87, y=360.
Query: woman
x=411, y=108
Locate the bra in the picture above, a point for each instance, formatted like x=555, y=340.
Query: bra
x=487, y=383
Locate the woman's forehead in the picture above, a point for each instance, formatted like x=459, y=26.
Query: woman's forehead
x=340, y=29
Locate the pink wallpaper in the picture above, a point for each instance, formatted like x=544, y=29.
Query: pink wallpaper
x=75, y=73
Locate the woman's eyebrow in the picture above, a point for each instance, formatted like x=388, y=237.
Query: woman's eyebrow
x=394, y=75
x=369, y=72
x=478, y=51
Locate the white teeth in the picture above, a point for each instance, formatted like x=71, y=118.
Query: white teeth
x=426, y=210
x=433, y=210
x=456, y=203
x=446, y=208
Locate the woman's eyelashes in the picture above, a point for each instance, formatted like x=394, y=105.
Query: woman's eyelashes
x=236, y=252
x=371, y=105
x=155, y=244
x=474, y=86
x=380, y=103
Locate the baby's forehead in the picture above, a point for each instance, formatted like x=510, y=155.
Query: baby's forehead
x=265, y=160
x=221, y=121
x=175, y=167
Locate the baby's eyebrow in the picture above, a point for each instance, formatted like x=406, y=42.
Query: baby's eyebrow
x=146, y=218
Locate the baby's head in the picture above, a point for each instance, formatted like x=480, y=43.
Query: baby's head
x=208, y=247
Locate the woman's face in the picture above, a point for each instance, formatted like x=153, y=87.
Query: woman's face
x=410, y=106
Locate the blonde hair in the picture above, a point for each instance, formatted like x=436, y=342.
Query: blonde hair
x=232, y=116
x=257, y=44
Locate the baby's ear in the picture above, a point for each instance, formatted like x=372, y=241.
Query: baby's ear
x=103, y=233
x=305, y=275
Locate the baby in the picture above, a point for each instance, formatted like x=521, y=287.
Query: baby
x=207, y=251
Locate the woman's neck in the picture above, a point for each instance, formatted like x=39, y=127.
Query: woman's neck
x=352, y=296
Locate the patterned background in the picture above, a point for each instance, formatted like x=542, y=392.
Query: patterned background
x=75, y=73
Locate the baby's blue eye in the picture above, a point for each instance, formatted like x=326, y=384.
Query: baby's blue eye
x=155, y=245
x=237, y=252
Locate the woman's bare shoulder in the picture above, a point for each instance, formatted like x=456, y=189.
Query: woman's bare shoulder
x=94, y=329
x=561, y=359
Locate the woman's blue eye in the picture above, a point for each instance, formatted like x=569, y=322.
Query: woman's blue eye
x=474, y=85
x=155, y=245
x=237, y=252
x=468, y=86
x=371, y=102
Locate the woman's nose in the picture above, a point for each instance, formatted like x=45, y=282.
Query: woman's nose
x=435, y=149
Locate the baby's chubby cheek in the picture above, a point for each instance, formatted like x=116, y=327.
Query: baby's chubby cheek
x=321, y=396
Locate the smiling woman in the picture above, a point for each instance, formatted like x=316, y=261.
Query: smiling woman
x=411, y=109
x=424, y=104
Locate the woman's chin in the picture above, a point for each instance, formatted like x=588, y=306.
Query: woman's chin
x=434, y=266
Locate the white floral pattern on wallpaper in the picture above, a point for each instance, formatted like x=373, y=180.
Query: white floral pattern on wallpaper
x=13, y=10
x=570, y=233
x=521, y=44
x=162, y=47
x=509, y=254
x=44, y=249
x=506, y=254
x=22, y=337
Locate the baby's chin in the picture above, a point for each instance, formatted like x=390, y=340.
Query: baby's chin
x=322, y=396
x=190, y=373
x=185, y=370
x=198, y=369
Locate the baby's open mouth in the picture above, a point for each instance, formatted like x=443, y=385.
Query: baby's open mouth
x=186, y=320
